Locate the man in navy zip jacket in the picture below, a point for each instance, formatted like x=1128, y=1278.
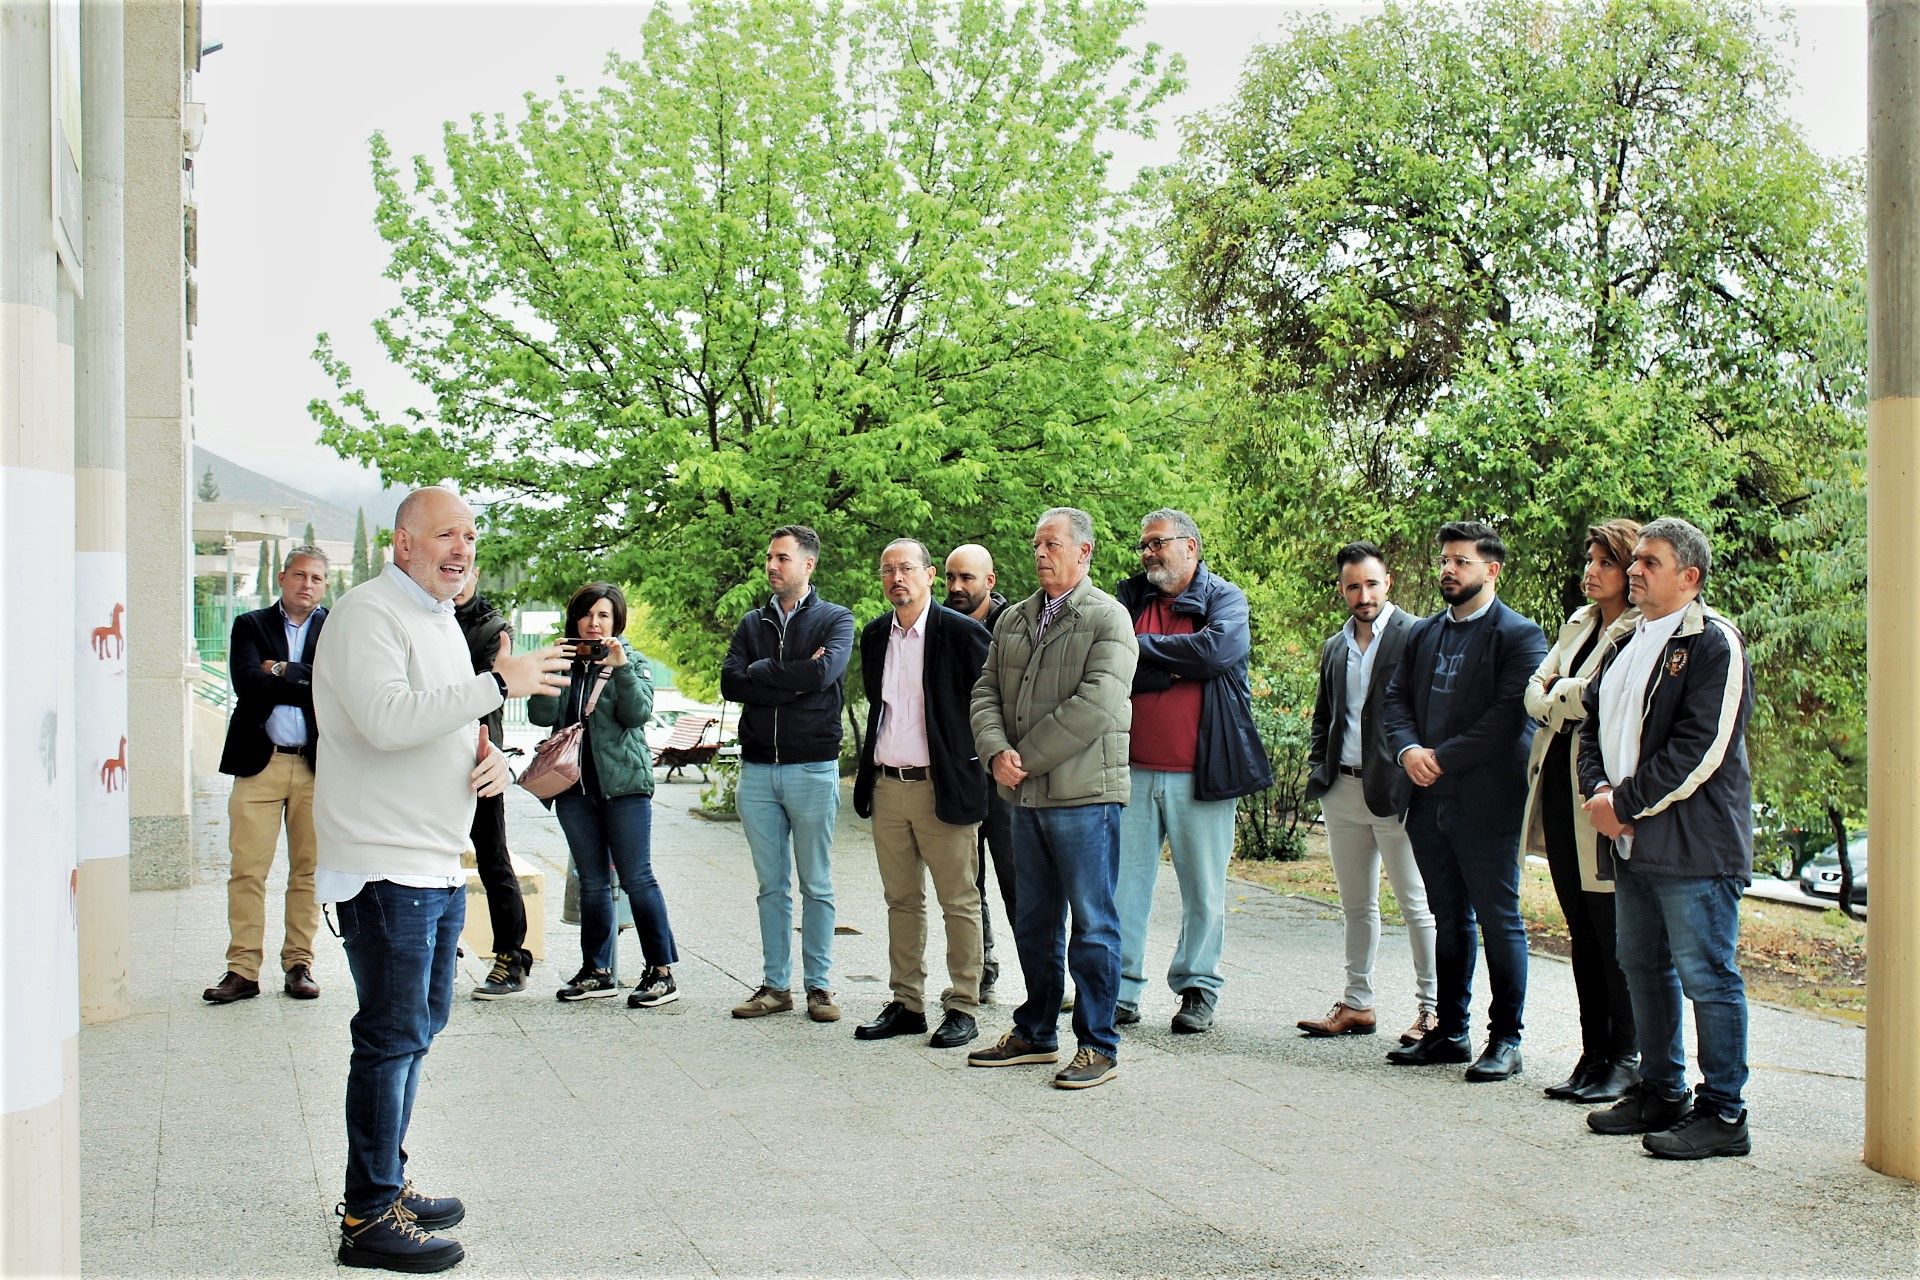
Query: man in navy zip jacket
x=1456, y=720
x=1663, y=758
x=786, y=665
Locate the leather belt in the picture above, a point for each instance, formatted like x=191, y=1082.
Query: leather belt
x=288, y=751
x=918, y=773
x=1352, y=771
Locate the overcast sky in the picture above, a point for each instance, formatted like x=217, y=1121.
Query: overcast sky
x=287, y=246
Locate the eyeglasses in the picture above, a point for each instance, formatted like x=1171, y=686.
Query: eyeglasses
x=1154, y=544
x=1455, y=562
x=902, y=570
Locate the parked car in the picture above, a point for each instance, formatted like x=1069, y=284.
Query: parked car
x=1821, y=877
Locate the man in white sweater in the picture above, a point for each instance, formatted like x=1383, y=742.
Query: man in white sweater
x=396, y=699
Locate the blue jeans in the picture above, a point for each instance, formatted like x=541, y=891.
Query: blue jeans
x=1675, y=935
x=620, y=828
x=400, y=945
x=1162, y=811
x=782, y=806
x=1067, y=860
x=1472, y=872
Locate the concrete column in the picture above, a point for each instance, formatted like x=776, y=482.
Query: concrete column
x=39, y=1017
x=159, y=532
x=1893, y=592
x=100, y=533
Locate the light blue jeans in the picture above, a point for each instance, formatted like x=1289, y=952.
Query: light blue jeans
x=782, y=807
x=1162, y=810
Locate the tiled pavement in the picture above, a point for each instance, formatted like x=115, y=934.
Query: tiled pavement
x=594, y=1140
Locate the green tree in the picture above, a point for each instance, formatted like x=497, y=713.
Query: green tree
x=209, y=490
x=362, y=562
x=263, y=580
x=1809, y=652
x=1538, y=263
x=850, y=264
x=307, y=537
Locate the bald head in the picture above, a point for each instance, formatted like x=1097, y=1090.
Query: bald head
x=434, y=541
x=970, y=580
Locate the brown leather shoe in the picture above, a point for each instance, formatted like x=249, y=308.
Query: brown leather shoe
x=300, y=984
x=1344, y=1020
x=231, y=987
x=1427, y=1021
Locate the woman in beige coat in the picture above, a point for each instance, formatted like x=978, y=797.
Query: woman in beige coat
x=1556, y=826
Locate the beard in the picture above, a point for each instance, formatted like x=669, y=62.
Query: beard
x=1460, y=594
x=961, y=602
x=1163, y=575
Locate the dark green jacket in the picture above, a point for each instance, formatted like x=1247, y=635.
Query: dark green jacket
x=617, y=730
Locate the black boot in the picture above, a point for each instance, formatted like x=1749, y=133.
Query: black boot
x=1610, y=1083
x=1585, y=1072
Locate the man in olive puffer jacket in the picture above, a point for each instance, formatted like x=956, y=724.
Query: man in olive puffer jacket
x=1051, y=713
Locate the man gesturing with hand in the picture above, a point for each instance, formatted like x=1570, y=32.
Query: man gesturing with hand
x=401, y=760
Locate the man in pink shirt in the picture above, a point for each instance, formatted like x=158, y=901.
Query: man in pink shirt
x=922, y=784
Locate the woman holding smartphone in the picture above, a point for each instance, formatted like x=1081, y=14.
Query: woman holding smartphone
x=608, y=817
x=1556, y=825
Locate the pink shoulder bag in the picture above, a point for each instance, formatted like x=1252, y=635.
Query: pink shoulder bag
x=555, y=769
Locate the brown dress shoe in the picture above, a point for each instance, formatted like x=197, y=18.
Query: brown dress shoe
x=1427, y=1021
x=300, y=984
x=231, y=987
x=1344, y=1020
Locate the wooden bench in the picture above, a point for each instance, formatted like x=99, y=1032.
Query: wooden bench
x=688, y=746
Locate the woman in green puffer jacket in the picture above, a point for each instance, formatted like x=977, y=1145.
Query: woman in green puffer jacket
x=608, y=817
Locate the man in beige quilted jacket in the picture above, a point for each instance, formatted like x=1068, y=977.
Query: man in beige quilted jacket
x=1050, y=717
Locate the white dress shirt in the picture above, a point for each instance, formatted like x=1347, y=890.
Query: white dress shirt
x=1622, y=694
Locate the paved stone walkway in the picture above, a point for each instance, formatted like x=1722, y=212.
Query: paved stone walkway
x=594, y=1140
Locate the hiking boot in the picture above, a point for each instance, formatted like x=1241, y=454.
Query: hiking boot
x=1125, y=1013
x=1088, y=1068
x=1641, y=1109
x=508, y=977
x=589, y=984
x=763, y=1001
x=431, y=1213
x=820, y=1005
x=1703, y=1133
x=394, y=1241
x=656, y=988
x=1196, y=1012
x=1011, y=1051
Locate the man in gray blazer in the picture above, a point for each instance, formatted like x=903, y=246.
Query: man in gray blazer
x=1363, y=794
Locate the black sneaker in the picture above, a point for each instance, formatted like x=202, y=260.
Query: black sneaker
x=394, y=1241
x=431, y=1213
x=589, y=984
x=1641, y=1109
x=656, y=988
x=1196, y=1012
x=1703, y=1133
x=1125, y=1013
x=508, y=976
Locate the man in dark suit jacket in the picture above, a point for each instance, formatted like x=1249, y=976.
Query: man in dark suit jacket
x=269, y=753
x=1456, y=721
x=1363, y=795
x=922, y=784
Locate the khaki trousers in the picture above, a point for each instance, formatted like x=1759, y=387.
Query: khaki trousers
x=909, y=840
x=255, y=810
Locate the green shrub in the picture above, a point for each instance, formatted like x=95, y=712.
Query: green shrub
x=1272, y=824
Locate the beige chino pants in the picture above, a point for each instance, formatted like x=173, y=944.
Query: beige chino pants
x=909, y=840
x=283, y=791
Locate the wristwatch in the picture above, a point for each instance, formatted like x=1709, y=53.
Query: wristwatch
x=279, y=668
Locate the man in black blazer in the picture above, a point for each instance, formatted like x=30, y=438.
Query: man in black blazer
x=922, y=784
x=1363, y=795
x=1456, y=721
x=269, y=753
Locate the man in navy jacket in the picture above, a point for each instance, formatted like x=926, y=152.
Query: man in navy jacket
x=786, y=665
x=1193, y=752
x=1663, y=758
x=269, y=753
x=922, y=783
x=1456, y=721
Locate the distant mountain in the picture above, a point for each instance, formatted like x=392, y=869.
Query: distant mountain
x=331, y=522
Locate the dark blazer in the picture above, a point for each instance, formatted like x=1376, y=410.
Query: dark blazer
x=1482, y=748
x=1385, y=783
x=956, y=649
x=261, y=636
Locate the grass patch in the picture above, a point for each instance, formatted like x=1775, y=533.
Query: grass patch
x=1810, y=960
